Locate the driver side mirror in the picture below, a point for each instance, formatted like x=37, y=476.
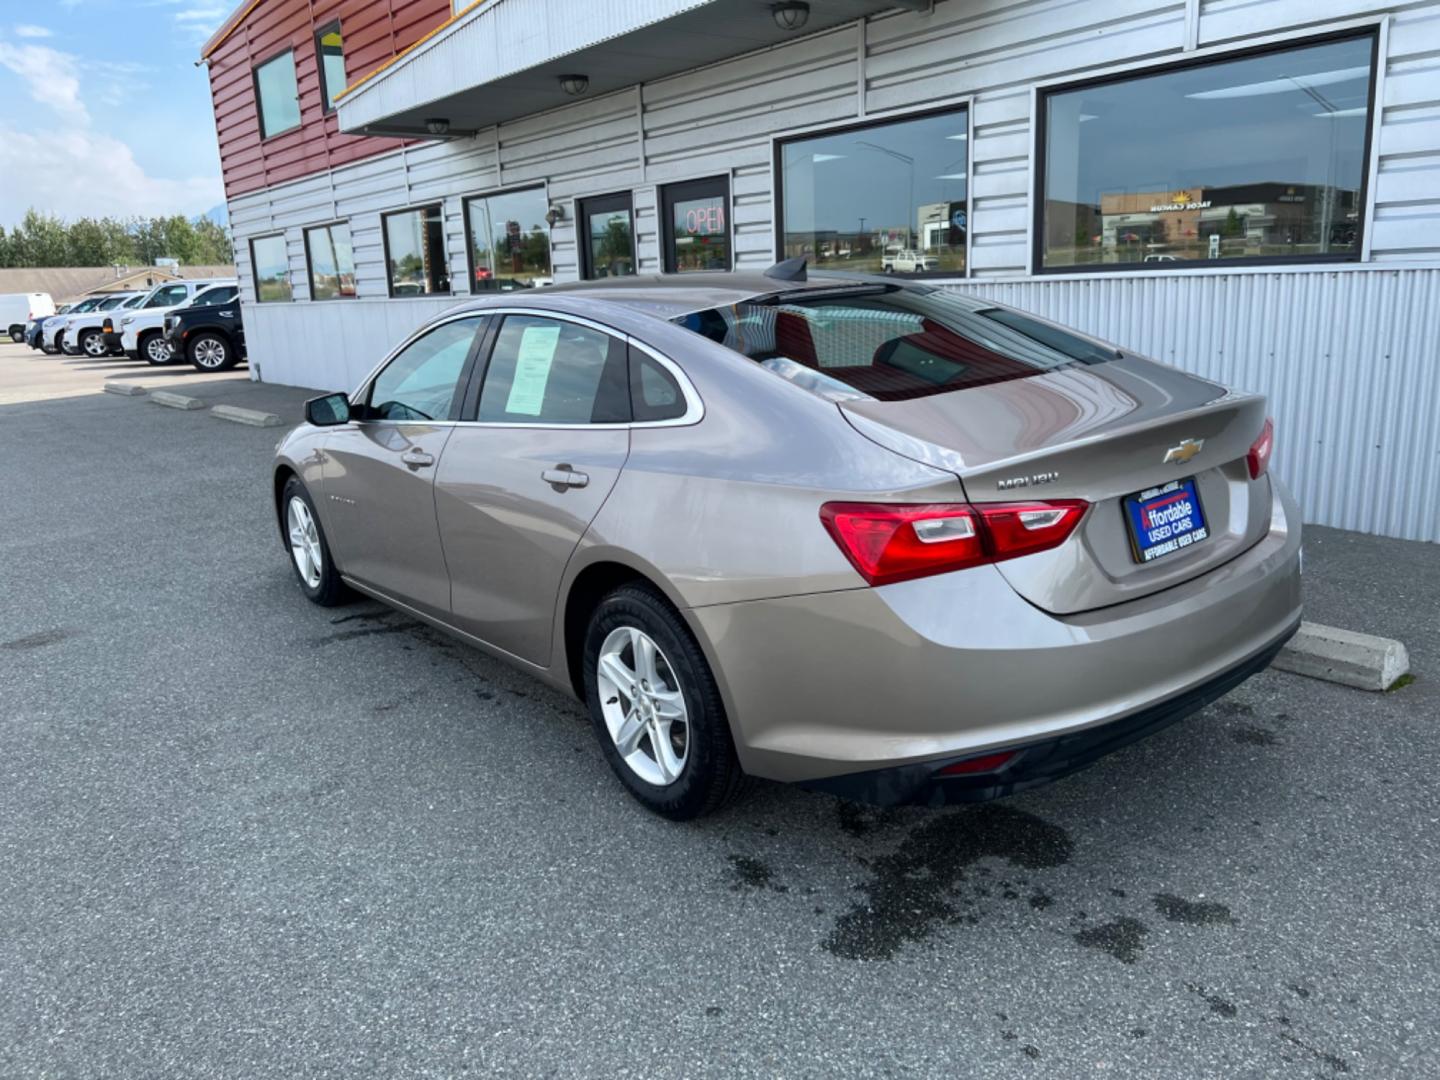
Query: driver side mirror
x=329, y=410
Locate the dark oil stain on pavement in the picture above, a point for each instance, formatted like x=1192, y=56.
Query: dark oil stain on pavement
x=748, y=873
x=36, y=641
x=908, y=897
x=1122, y=938
x=1335, y=1061
x=1193, y=912
x=351, y=635
x=1218, y=1005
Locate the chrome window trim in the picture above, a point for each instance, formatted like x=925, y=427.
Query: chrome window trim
x=694, y=406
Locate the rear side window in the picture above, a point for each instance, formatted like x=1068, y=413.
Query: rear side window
x=213, y=297
x=548, y=371
x=169, y=296
x=890, y=342
x=654, y=393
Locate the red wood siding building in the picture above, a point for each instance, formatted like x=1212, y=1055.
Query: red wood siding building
x=373, y=31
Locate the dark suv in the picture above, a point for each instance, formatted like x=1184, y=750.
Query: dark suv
x=210, y=336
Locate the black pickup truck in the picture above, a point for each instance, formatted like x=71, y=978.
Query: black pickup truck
x=212, y=337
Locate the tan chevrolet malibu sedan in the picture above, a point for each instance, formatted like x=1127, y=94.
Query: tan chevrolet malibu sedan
x=876, y=538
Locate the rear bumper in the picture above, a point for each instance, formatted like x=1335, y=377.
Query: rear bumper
x=112, y=343
x=826, y=688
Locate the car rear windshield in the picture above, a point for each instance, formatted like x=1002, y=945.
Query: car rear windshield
x=891, y=342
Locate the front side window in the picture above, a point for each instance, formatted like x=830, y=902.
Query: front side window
x=271, y=263
x=509, y=241
x=890, y=197
x=220, y=294
x=330, y=58
x=277, y=95
x=331, y=260
x=696, y=218
x=1259, y=157
x=421, y=381
x=892, y=342
x=607, y=237
x=548, y=371
x=415, y=252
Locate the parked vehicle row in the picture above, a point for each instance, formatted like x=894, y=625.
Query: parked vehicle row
x=198, y=321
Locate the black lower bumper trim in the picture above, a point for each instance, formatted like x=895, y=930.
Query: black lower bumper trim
x=1038, y=762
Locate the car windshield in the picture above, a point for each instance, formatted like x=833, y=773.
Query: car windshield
x=891, y=342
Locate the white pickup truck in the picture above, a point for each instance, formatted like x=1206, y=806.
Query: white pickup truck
x=140, y=332
x=908, y=261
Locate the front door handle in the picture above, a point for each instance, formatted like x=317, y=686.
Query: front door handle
x=563, y=476
x=417, y=458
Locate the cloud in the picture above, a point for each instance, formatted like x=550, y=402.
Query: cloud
x=50, y=77
x=26, y=30
x=197, y=19
x=75, y=173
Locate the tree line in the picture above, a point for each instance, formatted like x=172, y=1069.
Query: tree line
x=46, y=240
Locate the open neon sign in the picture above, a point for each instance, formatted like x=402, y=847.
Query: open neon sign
x=705, y=220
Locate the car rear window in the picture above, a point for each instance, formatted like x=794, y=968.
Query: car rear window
x=891, y=342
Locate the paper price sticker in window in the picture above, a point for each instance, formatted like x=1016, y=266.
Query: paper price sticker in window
x=532, y=370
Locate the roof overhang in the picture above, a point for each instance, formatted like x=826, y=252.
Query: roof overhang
x=503, y=59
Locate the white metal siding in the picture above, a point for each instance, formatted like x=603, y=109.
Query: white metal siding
x=1342, y=353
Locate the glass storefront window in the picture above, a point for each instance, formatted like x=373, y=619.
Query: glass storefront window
x=888, y=197
x=509, y=240
x=271, y=265
x=415, y=259
x=1258, y=157
x=331, y=260
x=696, y=216
x=277, y=95
x=607, y=236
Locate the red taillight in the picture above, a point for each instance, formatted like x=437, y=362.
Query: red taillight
x=890, y=542
x=987, y=763
x=1259, y=456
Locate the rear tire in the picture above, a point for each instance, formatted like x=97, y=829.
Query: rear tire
x=309, y=551
x=695, y=771
x=155, y=349
x=17, y=335
x=211, y=352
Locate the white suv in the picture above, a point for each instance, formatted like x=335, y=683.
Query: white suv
x=141, y=331
x=83, y=333
x=908, y=261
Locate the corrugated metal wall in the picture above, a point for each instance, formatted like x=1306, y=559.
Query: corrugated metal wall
x=1312, y=341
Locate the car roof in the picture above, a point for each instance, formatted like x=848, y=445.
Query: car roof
x=668, y=296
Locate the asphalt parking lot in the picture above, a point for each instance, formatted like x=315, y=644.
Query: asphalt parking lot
x=244, y=836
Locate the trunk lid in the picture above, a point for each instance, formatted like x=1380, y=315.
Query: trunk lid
x=1098, y=432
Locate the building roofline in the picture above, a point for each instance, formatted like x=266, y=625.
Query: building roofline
x=451, y=21
x=228, y=27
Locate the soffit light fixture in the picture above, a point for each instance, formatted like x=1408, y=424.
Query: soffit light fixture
x=437, y=125
x=790, y=14
x=574, y=85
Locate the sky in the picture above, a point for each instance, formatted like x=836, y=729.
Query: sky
x=102, y=109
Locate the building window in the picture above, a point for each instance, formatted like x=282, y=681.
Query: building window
x=271, y=264
x=1257, y=157
x=607, y=236
x=331, y=260
x=696, y=219
x=509, y=240
x=890, y=197
x=277, y=95
x=415, y=263
x=330, y=59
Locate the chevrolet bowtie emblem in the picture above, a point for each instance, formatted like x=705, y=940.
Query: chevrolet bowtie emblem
x=1187, y=449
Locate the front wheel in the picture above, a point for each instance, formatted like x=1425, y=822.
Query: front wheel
x=17, y=335
x=155, y=349
x=92, y=344
x=309, y=552
x=211, y=352
x=655, y=707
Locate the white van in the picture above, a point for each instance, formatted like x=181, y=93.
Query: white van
x=18, y=308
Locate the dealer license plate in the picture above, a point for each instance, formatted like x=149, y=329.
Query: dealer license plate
x=1164, y=520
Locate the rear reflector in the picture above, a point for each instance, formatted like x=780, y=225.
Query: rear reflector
x=970, y=766
x=890, y=542
x=1259, y=456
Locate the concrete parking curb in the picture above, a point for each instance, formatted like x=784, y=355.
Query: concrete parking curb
x=1363, y=661
x=127, y=389
x=253, y=417
x=175, y=401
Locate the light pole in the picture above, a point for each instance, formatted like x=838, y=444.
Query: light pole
x=910, y=162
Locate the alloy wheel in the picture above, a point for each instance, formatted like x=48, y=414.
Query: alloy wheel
x=304, y=542
x=157, y=351
x=643, y=707
x=94, y=345
x=209, y=353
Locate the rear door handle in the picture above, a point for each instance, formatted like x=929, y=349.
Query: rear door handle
x=562, y=476
x=417, y=458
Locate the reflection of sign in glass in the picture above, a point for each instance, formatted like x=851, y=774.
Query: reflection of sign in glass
x=1181, y=200
x=957, y=219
